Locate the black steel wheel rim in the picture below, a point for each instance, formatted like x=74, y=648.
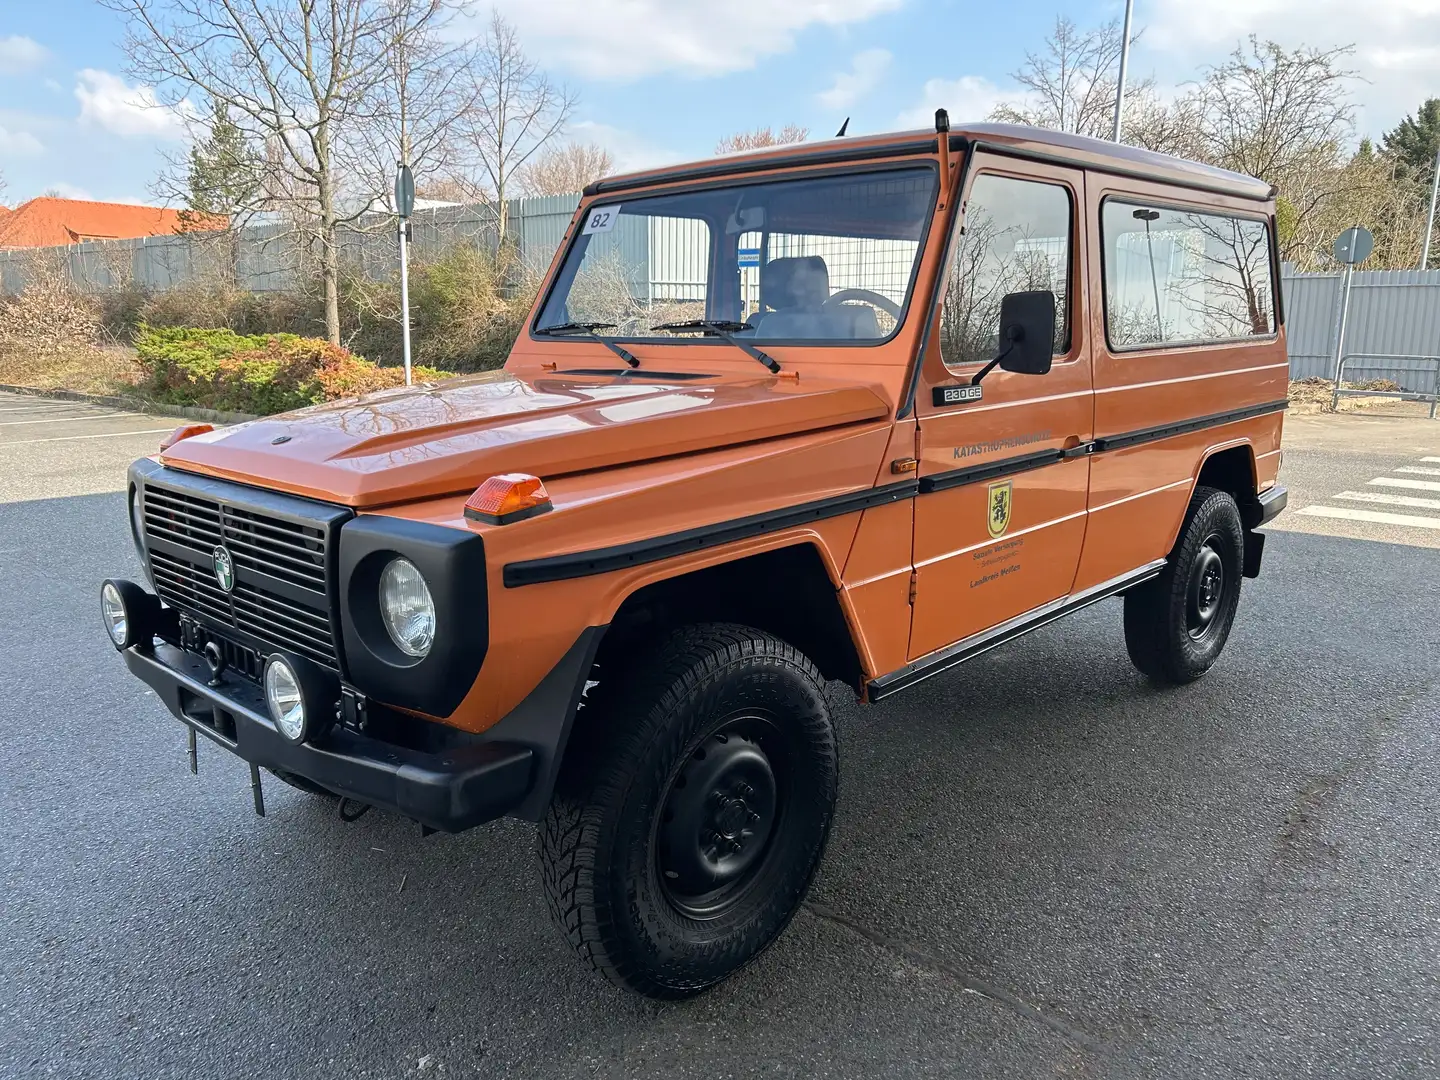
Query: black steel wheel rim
x=1205, y=591
x=719, y=817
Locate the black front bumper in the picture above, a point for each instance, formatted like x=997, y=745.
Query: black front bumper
x=450, y=790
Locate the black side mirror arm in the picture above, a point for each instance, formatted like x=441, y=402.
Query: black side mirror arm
x=1012, y=335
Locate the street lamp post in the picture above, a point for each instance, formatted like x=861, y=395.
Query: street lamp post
x=1430, y=221
x=1124, y=64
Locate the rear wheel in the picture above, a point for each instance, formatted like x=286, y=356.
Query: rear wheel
x=1176, y=625
x=691, y=810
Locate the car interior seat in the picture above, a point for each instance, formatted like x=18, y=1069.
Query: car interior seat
x=794, y=289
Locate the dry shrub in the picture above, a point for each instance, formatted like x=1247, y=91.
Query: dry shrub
x=49, y=315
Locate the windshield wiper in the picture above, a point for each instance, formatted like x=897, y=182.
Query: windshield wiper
x=587, y=329
x=723, y=328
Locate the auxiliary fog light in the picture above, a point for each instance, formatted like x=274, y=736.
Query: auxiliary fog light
x=300, y=697
x=130, y=614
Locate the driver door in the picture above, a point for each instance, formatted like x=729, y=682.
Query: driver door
x=1000, y=519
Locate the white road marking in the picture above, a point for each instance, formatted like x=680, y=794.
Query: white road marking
x=1430, y=459
x=105, y=435
x=96, y=416
x=1390, y=500
x=1419, y=469
x=1414, y=485
x=61, y=407
x=1379, y=518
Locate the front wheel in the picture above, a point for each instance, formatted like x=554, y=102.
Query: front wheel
x=1176, y=625
x=692, y=810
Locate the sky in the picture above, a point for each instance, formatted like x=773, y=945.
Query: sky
x=662, y=80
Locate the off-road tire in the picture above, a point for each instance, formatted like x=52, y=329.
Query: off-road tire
x=1161, y=615
x=301, y=783
x=649, y=727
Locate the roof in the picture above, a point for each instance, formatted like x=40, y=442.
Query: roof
x=49, y=221
x=1041, y=143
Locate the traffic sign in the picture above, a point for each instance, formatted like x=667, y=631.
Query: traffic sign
x=749, y=256
x=404, y=190
x=1354, y=245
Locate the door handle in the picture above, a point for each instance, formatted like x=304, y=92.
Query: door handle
x=1074, y=448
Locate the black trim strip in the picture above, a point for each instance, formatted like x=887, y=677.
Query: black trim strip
x=733, y=167
x=1271, y=503
x=971, y=647
x=1185, y=427
x=636, y=553
x=974, y=474
x=1218, y=187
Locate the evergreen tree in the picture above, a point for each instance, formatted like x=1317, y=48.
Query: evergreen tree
x=1415, y=140
x=223, y=177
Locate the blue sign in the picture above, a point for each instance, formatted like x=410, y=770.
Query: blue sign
x=749, y=256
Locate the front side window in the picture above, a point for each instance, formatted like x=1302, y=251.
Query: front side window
x=1016, y=239
x=825, y=259
x=1181, y=277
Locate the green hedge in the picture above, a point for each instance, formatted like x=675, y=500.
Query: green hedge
x=255, y=373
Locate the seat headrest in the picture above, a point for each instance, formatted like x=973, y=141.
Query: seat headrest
x=795, y=282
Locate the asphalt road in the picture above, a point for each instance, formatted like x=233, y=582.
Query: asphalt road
x=1041, y=866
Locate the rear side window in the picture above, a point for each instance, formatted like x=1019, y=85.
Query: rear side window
x=1182, y=277
x=1016, y=239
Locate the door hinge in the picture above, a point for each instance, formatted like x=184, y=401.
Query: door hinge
x=914, y=578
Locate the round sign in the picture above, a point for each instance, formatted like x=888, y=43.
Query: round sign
x=1354, y=245
x=404, y=191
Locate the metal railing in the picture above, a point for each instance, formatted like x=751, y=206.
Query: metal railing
x=1404, y=395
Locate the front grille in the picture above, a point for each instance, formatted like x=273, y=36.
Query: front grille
x=281, y=565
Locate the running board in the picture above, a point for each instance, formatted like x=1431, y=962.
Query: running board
x=944, y=659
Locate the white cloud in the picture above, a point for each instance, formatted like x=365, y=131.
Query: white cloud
x=631, y=152
x=968, y=99
x=20, y=54
x=19, y=144
x=622, y=40
x=69, y=191
x=1397, y=43
x=109, y=103
x=866, y=70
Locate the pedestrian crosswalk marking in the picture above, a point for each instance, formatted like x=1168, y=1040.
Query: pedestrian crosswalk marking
x=1414, y=485
x=1378, y=517
x=1430, y=459
x=1421, y=470
x=1390, y=500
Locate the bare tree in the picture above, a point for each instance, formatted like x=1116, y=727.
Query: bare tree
x=761, y=138
x=299, y=78
x=563, y=169
x=1072, y=82
x=516, y=110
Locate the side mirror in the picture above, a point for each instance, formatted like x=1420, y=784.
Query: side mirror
x=1027, y=332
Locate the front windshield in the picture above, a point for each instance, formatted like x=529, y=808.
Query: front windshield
x=824, y=259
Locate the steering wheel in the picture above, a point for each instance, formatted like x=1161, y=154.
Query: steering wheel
x=884, y=303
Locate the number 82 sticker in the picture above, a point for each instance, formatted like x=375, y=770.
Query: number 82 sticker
x=601, y=219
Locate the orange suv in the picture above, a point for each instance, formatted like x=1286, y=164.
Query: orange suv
x=857, y=410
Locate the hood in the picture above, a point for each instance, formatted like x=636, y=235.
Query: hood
x=426, y=441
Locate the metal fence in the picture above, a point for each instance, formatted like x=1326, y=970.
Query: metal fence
x=1393, y=323
x=1393, y=326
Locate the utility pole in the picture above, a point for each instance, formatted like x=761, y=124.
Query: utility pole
x=1124, y=64
x=1430, y=221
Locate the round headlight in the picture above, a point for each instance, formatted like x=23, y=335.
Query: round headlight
x=284, y=697
x=114, y=615
x=406, y=607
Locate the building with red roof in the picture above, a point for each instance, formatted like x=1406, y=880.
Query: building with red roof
x=52, y=222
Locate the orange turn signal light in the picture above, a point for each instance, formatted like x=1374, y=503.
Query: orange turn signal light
x=184, y=431
x=506, y=498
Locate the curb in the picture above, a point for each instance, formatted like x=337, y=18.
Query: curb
x=184, y=412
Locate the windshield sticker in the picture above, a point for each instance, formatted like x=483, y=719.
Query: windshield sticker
x=601, y=220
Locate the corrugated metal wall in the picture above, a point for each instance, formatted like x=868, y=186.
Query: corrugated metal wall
x=1396, y=312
